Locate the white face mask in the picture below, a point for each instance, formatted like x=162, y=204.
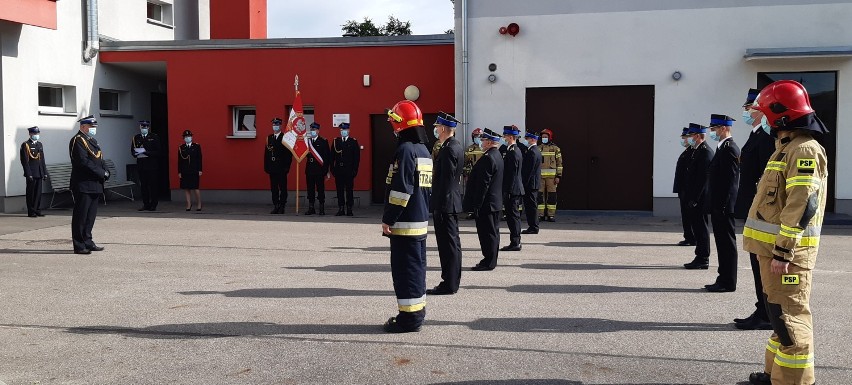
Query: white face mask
x=92, y=131
x=276, y=128
x=34, y=137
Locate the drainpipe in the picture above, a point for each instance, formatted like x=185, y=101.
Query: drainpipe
x=92, y=40
x=465, y=117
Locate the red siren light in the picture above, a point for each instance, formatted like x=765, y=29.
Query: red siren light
x=503, y=30
x=513, y=29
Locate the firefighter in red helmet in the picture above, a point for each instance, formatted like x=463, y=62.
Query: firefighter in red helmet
x=551, y=173
x=406, y=216
x=783, y=229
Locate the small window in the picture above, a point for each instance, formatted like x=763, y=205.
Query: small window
x=50, y=97
x=159, y=13
x=109, y=101
x=114, y=102
x=53, y=98
x=155, y=12
x=244, y=121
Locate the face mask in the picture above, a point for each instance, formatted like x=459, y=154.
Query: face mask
x=683, y=142
x=92, y=131
x=144, y=131
x=747, y=118
x=313, y=134
x=503, y=142
x=691, y=141
x=545, y=140
x=344, y=133
x=276, y=128
x=477, y=141
x=765, y=124
x=714, y=135
x=187, y=139
x=34, y=138
x=435, y=132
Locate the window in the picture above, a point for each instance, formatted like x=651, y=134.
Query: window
x=159, y=13
x=244, y=121
x=114, y=102
x=109, y=101
x=57, y=99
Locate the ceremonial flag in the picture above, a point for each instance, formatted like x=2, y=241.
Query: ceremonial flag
x=294, y=135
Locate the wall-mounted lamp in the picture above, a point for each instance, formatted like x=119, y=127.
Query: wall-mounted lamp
x=492, y=78
x=512, y=29
x=677, y=75
x=411, y=93
x=366, y=80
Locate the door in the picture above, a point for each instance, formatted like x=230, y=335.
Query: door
x=606, y=136
x=160, y=126
x=384, y=146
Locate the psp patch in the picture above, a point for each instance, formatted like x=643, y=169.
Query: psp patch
x=790, y=279
x=807, y=164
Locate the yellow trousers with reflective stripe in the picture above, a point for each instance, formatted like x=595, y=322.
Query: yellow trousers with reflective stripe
x=547, y=198
x=789, y=355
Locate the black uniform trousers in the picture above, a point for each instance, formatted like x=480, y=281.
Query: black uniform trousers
x=724, y=233
x=758, y=288
x=701, y=230
x=449, y=249
x=685, y=219
x=83, y=219
x=408, y=270
x=487, y=229
x=316, y=188
x=34, y=196
x=148, y=184
x=513, y=217
x=278, y=187
x=344, y=185
x=531, y=209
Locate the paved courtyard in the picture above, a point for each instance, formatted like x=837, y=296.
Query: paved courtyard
x=234, y=295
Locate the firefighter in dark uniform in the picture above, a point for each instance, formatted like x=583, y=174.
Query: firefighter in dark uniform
x=483, y=196
x=346, y=157
x=277, y=160
x=316, y=169
x=531, y=176
x=753, y=159
x=697, y=195
x=447, y=204
x=724, y=178
x=471, y=155
x=88, y=174
x=680, y=189
x=783, y=229
x=32, y=160
x=406, y=217
x=513, y=187
x=145, y=147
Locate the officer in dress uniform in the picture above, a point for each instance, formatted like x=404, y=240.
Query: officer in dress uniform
x=190, y=168
x=316, y=169
x=88, y=174
x=513, y=187
x=346, y=157
x=724, y=177
x=680, y=189
x=32, y=160
x=277, y=160
x=447, y=204
x=697, y=195
x=551, y=174
x=406, y=217
x=783, y=228
x=145, y=147
x=753, y=159
x=471, y=155
x=531, y=175
x=483, y=196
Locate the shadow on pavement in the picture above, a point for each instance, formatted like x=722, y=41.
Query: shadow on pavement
x=365, y=268
x=548, y=381
x=387, y=248
x=294, y=292
x=578, y=325
x=593, y=266
x=224, y=329
x=583, y=289
x=605, y=244
x=69, y=250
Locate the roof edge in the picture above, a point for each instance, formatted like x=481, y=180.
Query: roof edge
x=222, y=44
x=798, y=52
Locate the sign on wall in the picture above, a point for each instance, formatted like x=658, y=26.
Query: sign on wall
x=336, y=119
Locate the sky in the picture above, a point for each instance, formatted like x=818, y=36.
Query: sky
x=323, y=18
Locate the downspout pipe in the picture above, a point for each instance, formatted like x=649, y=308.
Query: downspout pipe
x=92, y=41
x=465, y=118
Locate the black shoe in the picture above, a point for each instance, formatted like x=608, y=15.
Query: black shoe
x=152, y=208
x=440, y=290
x=275, y=210
x=310, y=211
x=481, y=268
x=719, y=289
x=32, y=215
x=511, y=248
x=143, y=208
x=349, y=212
x=759, y=378
x=754, y=324
x=340, y=212
x=542, y=218
x=95, y=248
x=747, y=319
x=685, y=243
x=83, y=251
x=551, y=219
x=696, y=264
x=321, y=209
x=39, y=214
x=392, y=327
x=529, y=231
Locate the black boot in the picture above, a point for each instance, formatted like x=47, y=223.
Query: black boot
x=340, y=212
x=349, y=211
x=311, y=210
x=281, y=209
x=321, y=208
x=275, y=209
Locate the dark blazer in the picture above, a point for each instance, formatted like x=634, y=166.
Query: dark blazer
x=312, y=166
x=88, y=169
x=189, y=159
x=512, y=183
x=484, y=190
x=725, y=177
x=680, y=170
x=696, y=177
x=277, y=158
x=753, y=158
x=345, y=157
x=446, y=177
x=531, y=169
x=32, y=159
x=151, y=144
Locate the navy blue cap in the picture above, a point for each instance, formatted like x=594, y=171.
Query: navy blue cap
x=511, y=130
x=695, y=128
x=343, y=126
x=488, y=134
x=187, y=133
x=145, y=123
x=315, y=126
x=752, y=96
x=277, y=121
x=685, y=131
x=446, y=119
x=721, y=120
x=33, y=130
x=531, y=135
x=90, y=120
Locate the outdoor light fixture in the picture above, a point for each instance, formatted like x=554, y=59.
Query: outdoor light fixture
x=677, y=75
x=412, y=93
x=492, y=78
x=511, y=29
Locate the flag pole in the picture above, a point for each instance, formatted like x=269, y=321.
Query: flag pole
x=298, y=162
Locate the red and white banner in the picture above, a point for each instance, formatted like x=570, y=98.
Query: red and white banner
x=295, y=137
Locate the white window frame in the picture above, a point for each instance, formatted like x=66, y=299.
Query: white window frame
x=166, y=13
x=251, y=132
x=69, y=100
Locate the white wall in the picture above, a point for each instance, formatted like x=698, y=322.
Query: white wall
x=127, y=20
x=644, y=48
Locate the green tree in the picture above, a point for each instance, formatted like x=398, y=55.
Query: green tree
x=394, y=27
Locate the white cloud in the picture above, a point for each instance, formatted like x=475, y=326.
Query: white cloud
x=323, y=18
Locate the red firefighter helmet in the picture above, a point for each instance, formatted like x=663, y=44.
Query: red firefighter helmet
x=547, y=132
x=783, y=102
x=405, y=114
x=476, y=132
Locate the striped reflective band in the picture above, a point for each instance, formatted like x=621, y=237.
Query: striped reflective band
x=541, y=207
x=398, y=198
x=776, y=165
x=803, y=181
x=413, y=122
x=551, y=207
x=424, y=164
x=768, y=233
x=411, y=305
x=548, y=172
x=548, y=153
x=795, y=361
x=773, y=346
x=410, y=228
x=791, y=232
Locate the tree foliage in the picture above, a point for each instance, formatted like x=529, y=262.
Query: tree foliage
x=394, y=27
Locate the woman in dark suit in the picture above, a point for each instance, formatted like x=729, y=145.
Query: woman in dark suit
x=189, y=169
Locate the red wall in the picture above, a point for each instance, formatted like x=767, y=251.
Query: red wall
x=40, y=13
x=238, y=19
x=204, y=84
